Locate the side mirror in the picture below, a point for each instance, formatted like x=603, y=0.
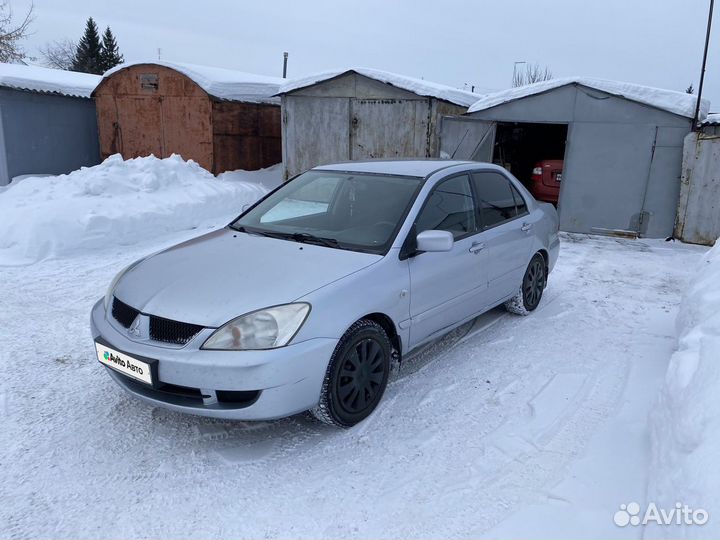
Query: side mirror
x=435, y=241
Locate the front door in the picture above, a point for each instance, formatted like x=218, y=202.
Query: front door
x=447, y=287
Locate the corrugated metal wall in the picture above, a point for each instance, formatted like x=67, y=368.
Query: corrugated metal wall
x=698, y=217
x=353, y=117
x=151, y=109
x=622, y=159
x=45, y=134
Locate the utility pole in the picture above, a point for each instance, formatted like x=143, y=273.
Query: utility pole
x=285, y=58
x=704, y=62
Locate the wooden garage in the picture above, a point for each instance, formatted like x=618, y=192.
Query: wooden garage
x=222, y=119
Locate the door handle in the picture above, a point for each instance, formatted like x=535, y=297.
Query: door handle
x=476, y=247
x=526, y=227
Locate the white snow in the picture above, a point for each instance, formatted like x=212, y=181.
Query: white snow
x=712, y=118
x=417, y=86
x=221, y=83
x=118, y=203
x=510, y=427
x=686, y=419
x=679, y=103
x=41, y=79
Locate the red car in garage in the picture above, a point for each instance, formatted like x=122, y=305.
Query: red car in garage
x=545, y=180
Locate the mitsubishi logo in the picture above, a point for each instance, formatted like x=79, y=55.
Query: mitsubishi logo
x=134, y=329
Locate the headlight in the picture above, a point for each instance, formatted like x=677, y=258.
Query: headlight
x=263, y=329
x=114, y=282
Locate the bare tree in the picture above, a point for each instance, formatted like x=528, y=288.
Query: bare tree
x=12, y=32
x=533, y=73
x=59, y=54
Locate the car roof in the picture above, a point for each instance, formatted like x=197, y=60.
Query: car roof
x=420, y=168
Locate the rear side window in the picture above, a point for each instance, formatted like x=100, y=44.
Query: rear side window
x=449, y=207
x=495, y=197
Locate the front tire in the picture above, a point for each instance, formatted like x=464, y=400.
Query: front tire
x=356, y=376
x=528, y=297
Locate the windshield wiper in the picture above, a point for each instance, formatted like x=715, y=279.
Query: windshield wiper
x=308, y=238
x=303, y=238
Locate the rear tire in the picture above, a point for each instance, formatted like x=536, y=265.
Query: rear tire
x=356, y=376
x=528, y=297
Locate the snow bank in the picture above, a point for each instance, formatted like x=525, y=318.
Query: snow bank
x=668, y=100
x=117, y=203
x=40, y=79
x=220, y=82
x=417, y=86
x=685, y=425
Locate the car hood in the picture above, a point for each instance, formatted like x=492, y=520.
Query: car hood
x=219, y=276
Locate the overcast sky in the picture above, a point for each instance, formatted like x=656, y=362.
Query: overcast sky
x=456, y=42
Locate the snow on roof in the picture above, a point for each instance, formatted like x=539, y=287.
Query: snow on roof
x=41, y=79
x=712, y=118
x=221, y=83
x=417, y=86
x=679, y=103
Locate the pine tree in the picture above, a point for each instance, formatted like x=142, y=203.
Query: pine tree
x=110, y=54
x=690, y=89
x=88, y=55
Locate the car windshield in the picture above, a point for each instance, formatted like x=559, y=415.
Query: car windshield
x=355, y=211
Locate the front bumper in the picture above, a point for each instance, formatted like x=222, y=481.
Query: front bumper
x=277, y=382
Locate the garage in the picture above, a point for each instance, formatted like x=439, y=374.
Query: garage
x=222, y=119
x=363, y=113
x=47, y=121
x=613, y=150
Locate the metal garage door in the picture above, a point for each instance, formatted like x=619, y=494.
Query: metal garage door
x=605, y=177
x=315, y=130
x=388, y=128
x=467, y=138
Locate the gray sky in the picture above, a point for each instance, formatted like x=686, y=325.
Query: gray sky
x=652, y=42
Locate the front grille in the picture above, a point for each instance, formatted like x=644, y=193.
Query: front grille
x=169, y=331
x=123, y=313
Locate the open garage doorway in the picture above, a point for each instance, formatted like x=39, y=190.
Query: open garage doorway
x=534, y=153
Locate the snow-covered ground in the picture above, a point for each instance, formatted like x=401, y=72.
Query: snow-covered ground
x=508, y=427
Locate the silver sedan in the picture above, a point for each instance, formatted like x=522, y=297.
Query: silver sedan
x=306, y=300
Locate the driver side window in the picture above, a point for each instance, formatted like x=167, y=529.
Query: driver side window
x=450, y=208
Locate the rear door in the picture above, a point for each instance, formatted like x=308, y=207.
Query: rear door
x=467, y=138
x=447, y=287
x=506, y=233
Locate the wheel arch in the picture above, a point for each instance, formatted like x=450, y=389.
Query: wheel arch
x=388, y=325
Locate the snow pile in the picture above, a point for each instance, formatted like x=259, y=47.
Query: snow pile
x=417, y=86
x=685, y=426
x=116, y=203
x=679, y=103
x=40, y=79
x=221, y=83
